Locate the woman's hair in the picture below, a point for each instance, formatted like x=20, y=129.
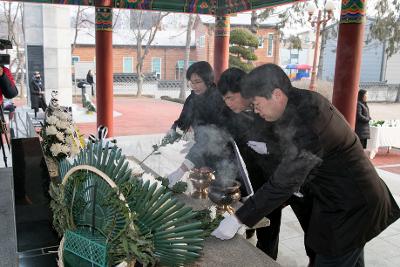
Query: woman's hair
x=204, y=70
x=262, y=80
x=361, y=94
x=230, y=81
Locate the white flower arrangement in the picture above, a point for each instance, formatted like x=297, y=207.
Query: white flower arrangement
x=60, y=138
x=51, y=130
x=52, y=120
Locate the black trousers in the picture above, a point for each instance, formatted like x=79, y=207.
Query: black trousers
x=268, y=237
x=42, y=105
x=354, y=258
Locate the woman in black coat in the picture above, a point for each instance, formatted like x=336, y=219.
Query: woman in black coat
x=201, y=112
x=362, y=118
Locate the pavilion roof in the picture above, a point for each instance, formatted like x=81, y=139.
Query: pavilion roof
x=212, y=7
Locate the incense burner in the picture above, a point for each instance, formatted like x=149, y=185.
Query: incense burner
x=224, y=194
x=201, y=179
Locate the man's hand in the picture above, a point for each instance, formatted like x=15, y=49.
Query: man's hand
x=175, y=177
x=259, y=147
x=227, y=228
x=1, y=71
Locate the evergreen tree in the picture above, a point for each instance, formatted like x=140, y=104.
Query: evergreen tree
x=386, y=26
x=243, y=42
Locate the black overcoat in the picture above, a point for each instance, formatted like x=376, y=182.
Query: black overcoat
x=325, y=160
x=362, y=120
x=36, y=86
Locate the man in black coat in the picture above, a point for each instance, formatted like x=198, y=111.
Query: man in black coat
x=260, y=150
x=324, y=159
x=38, y=99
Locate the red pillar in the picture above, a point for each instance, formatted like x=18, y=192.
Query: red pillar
x=348, y=58
x=104, y=69
x=221, y=45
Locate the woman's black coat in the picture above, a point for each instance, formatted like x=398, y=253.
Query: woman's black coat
x=362, y=120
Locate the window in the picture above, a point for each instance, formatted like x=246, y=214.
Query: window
x=260, y=42
x=75, y=59
x=270, y=50
x=179, y=68
x=156, y=66
x=127, y=65
x=202, y=41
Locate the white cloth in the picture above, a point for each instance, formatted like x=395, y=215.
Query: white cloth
x=259, y=147
x=227, y=228
x=383, y=137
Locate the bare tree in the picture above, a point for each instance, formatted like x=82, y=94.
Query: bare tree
x=80, y=20
x=13, y=18
x=191, y=20
x=144, y=35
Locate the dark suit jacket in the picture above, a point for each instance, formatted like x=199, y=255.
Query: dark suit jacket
x=324, y=158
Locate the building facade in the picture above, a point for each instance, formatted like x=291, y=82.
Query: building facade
x=167, y=52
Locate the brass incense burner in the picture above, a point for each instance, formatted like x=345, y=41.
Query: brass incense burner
x=224, y=194
x=201, y=179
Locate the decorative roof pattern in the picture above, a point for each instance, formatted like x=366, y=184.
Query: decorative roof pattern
x=211, y=7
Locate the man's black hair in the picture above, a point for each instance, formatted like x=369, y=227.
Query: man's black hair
x=204, y=70
x=262, y=80
x=230, y=81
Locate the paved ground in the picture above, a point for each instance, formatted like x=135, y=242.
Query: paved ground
x=140, y=123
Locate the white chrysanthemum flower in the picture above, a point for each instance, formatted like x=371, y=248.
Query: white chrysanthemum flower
x=51, y=130
x=65, y=116
x=63, y=125
x=65, y=149
x=60, y=136
x=52, y=120
x=149, y=177
x=213, y=212
x=55, y=149
x=57, y=113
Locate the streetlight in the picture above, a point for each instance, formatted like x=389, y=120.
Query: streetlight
x=317, y=21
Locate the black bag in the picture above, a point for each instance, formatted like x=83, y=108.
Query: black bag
x=8, y=89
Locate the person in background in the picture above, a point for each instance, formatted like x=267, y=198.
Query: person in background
x=362, y=118
x=90, y=80
x=38, y=99
x=201, y=112
x=323, y=160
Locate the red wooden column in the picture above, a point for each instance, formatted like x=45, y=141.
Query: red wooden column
x=104, y=69
x=348, y=58
x=221, y=45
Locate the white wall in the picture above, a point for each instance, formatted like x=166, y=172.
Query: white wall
x=49, y=26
